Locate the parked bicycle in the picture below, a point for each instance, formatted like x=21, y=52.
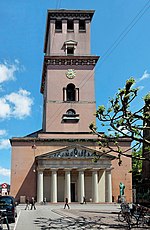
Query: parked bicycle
x=3, y=219
x=136, y=216
x=142, y=215
x=126, y=215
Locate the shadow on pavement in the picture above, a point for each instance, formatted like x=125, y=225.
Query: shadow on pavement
x=76, y=223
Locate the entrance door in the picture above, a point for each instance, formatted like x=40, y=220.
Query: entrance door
x=73, y=192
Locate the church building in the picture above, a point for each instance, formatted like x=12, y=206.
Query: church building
x=57, y=161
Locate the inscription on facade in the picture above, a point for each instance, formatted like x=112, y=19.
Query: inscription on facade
x=72, y=153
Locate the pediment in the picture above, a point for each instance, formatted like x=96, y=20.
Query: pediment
x=75, y=151
x=70, y=42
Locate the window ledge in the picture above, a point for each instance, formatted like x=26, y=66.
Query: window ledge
x=58, y=30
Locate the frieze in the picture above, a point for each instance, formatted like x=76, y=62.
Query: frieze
x=59, y=61
x=74, y=153
x=73, y=14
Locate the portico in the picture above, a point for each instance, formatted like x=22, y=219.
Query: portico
x=71, y=172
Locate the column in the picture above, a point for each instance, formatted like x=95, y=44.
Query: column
x=95, y=186
x=101, y=185
x=54, y=186
x=81, y=185
x=67, y=185
x=40, y=186
x=108, y=186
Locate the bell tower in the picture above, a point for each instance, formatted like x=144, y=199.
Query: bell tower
x=68, y=72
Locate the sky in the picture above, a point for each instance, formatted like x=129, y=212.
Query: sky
x=120, y=35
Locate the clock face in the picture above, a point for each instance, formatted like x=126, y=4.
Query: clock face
x=71, y=73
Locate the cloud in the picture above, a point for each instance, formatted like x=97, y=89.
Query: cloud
x=4, y=172
x=21, y=103
x=7, y=71
x=144, y=76
x=5, y=110
x=3, y=132
x=4, y=144
x=17, y=105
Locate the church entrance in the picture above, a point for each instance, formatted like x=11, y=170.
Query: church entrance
x=73, y=186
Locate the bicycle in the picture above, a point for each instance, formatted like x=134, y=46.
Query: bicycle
x=126, y=215
x=142, y=215
x=3, y=219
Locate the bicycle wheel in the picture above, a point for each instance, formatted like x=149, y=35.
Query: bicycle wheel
x=133, y=220
x=128, y=218
x=121, y=217
x=142, y=221
x=1, y=226
x=8, y=228
x=1, y=223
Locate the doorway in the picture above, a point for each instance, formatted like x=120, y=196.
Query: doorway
x=73, y=187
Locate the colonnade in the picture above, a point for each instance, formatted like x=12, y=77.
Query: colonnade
x=81, y=185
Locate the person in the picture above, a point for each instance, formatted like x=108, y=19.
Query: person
x=122, y=187
x=33, y=203
x=44, y=201
x=27, y=203
x=84, y=200
x=66, y=203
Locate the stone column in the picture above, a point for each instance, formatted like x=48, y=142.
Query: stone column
x=101, y=185
x=81, y=185
x=54, y=186
x=40, y=186
x=67, y=185
x=95, y=186
x=108, y=186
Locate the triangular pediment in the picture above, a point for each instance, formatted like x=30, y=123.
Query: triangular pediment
x=75, y=151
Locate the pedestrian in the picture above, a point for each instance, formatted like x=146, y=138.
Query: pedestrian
x=33, y=203
x=84, y=200
x=44, y=201
x=27, y=204
x=66, y=203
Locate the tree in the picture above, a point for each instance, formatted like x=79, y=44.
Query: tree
x=137, y=167
x=123, y=122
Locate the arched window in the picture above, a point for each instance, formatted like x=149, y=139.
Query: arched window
x=70, y=112
x=71, y=92
x=70, y=116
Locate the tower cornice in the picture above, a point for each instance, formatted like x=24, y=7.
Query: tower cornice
x=74, y=14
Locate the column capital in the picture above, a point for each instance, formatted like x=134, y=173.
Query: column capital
x=54, y=169
x=67, y=169
x=81, y=169
x=40, y=170
x=95, y=169
x=109, y=169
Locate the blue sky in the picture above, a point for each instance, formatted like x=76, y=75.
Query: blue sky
x=120, y=35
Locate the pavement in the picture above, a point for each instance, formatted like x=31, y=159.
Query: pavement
x=79, y=216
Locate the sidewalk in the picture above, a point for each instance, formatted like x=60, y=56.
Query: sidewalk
x=94, y=216
x=79, y=216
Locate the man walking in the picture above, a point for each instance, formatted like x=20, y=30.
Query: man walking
x=33, y=203
x=66, y=204
x=27, y=203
